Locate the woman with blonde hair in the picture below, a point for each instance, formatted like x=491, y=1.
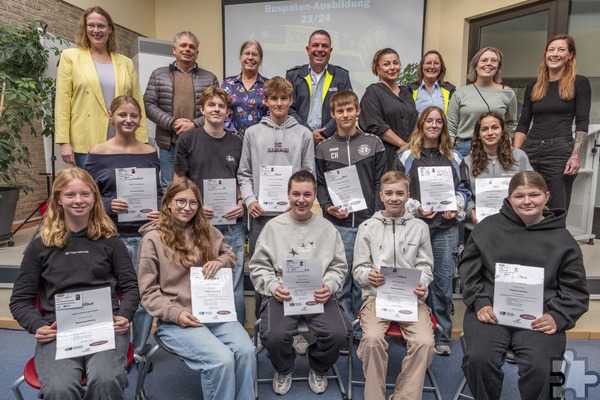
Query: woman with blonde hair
x=486, y=93
x=551, y=104
x=89, y=77
x=430, y=146
x=183, y=238
x=78, y=249
x=125, y=152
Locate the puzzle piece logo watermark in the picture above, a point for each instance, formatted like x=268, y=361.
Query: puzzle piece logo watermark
x=577, y=380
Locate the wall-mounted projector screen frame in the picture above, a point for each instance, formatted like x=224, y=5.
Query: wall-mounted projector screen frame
x=358, y=28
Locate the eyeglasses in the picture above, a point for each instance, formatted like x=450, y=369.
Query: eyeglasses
x=430, y=121
x=100, y=27
x=181, y=203
x=251, y=53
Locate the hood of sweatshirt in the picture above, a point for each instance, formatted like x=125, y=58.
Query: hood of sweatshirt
x=150, y=226
x=397, y=222
x=289, y=122
x=553, y=219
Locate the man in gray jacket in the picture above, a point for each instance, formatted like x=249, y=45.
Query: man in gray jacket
x=172, y=99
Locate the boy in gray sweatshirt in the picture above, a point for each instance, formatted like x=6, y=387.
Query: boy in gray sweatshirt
x=300, y=235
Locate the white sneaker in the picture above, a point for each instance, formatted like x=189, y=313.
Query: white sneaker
x=442, y=349
x=300, y=344
x=282, y=383
x=317, y=383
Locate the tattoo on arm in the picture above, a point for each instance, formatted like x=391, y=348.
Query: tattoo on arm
x=580, y=138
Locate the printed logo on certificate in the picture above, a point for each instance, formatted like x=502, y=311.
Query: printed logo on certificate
x=212, y=299
x=518, y=294
x=84, y=323
x=344, y=189
x=396, y=299
x=272, y=193
x=301, y=278
x=437, y=188
x=489, y=196
x=137, y=186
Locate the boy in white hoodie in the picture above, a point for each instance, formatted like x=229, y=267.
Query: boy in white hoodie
x=394, y=238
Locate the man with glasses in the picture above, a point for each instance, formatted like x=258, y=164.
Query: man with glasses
x=172, y=99
x=211, y=153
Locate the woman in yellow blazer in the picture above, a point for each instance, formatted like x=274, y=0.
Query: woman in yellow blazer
x=89, y=78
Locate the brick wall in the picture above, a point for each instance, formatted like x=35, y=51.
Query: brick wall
x=62, y=19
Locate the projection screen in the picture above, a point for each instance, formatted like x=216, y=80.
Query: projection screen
x=357, y=27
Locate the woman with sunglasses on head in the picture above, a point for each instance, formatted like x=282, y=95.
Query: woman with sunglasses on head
x=89, y=77
x=183, y=238
x=557, y=99
x=78, y=249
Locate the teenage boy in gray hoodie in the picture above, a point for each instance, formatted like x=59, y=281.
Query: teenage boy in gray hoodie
x=277, y=140
x=393, y=238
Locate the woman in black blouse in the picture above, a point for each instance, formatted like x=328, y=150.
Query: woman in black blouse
x=388, y=111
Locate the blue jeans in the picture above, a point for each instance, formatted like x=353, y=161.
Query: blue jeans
x=463, y=147
x=221, y=352
x=80, y=159
x=235, y=236
x=167, y=165
x=443, y=242
x=350, y=296
x=142, y=321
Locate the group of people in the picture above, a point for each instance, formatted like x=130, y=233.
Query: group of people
x=304, y=126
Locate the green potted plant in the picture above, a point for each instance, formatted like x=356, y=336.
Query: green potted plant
x=25, y=96
x=408, y=75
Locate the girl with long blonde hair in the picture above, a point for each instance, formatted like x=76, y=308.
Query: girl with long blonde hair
x=78, y=250
x=430, y=146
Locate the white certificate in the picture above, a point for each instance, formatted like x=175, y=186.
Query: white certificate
x=344, y=189
x=84, y=322
x=518, y=294
x=212, y=299
x=489, y=195
x=137, y=186
x=219, y=196
x=301, y=278
x=396, y=299
x=272, y=195
x=437, y=188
